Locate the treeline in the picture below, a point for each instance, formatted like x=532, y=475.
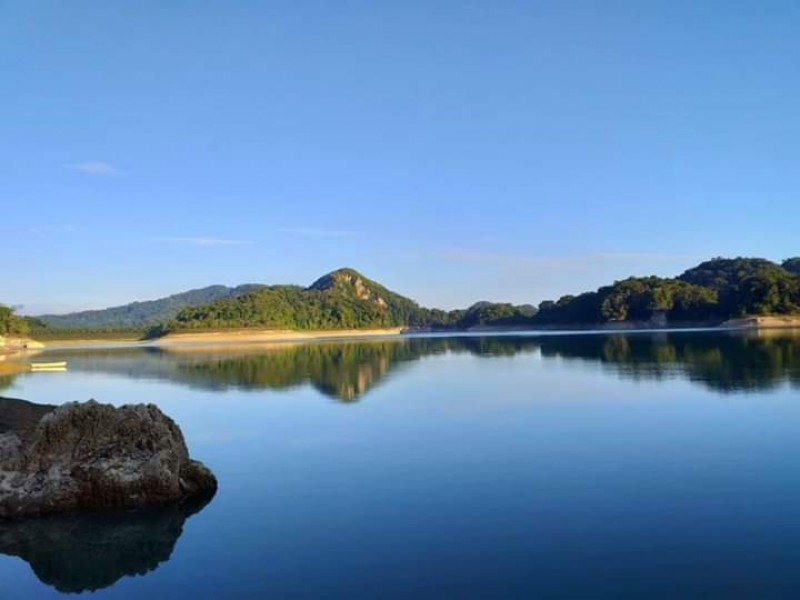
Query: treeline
x=480, y=314
x=715, y=290
x=11, y=324
x=339, y=305
x=344, y=299
x=140, y=315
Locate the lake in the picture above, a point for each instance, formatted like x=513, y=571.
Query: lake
x=657, y=465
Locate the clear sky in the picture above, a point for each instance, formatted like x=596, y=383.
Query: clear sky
x=455, y=151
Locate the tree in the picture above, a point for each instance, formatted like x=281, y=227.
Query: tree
x=10, y=323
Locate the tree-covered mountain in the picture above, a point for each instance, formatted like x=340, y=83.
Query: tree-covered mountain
x=343, y=299
x=715, y=290
x=140, y=315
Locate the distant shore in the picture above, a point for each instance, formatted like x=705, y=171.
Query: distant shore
x=272, y=335
x=770, y=322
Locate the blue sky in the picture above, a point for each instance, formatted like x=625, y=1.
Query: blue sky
x=455, y=151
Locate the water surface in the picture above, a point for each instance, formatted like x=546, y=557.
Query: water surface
x=606, y=466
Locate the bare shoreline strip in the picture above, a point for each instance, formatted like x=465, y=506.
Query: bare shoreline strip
x=765, y=322
x=271, y=335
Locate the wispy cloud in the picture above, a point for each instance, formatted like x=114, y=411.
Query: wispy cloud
x=313, y=232
x=201, y=241
x=96, y=167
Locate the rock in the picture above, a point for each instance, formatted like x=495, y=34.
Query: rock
x=88, y=551
x=91, y=456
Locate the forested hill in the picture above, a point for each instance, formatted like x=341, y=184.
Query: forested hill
x=140, y=315
x=715, y=290
x=343, y=299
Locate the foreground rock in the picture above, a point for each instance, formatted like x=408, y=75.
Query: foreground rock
x=90, y=455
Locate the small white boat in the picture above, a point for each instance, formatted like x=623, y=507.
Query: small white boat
x=49, y=366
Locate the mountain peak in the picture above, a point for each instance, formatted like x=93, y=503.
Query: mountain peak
x=351, y=281
x=338, y=278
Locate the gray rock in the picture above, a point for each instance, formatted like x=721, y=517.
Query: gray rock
x=90, y=455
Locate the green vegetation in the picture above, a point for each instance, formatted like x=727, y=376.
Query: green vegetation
x=711, y=292
x=138, y=316
x=792, y=265
x=344, y=299
x=482, y=314
x=714, y=291
x=11, y=324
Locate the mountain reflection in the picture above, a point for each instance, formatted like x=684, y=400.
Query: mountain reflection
x=733, y=362
x=726, y=362
x=91, y=551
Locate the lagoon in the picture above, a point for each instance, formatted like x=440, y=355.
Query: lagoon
x=623, y=465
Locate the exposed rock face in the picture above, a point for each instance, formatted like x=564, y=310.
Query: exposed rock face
x=90, y=455
x=346, y=278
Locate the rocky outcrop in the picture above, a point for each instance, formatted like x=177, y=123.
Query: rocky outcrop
x=91, y=455
x=351, y=281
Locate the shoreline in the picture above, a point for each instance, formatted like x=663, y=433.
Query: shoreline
x=228, y=337
x=765, y=322
x=272, y=335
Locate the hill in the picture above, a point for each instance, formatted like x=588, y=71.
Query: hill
x=141, y=315
x=713, y=291
x=343, y=299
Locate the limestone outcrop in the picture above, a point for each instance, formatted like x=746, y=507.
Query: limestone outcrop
x=91, y=456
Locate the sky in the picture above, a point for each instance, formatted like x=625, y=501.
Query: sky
x=454, y=151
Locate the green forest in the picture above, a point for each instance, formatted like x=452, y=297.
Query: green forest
x=344, y=299
x=715, y=290
x=11, y=324
x=712, y=292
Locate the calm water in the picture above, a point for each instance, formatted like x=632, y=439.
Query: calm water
x=578, y=466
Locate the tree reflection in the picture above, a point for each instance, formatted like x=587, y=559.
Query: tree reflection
x=732, y=362
x=346, y=371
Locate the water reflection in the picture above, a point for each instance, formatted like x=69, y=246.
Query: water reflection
x=346, y=371
x=738, y=362
x=91, y=551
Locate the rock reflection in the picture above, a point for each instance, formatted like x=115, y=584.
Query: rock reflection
x=86, y=552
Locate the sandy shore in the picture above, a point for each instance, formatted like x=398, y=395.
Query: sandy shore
x=11, y=367
x=775, y=322
x=271, y=335
x=90, y=342
x=238, y=336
